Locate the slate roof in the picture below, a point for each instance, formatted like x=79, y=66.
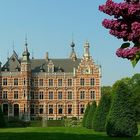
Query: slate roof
x=63, y=65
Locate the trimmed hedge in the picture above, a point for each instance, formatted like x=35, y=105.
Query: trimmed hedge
x=121, y=120
x=100, y=115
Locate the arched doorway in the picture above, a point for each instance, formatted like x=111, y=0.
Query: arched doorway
x=16, y=110
x=5, y=109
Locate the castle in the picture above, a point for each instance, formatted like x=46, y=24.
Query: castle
x=31, y=88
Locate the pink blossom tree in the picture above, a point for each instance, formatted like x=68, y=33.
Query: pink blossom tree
x=125, y=25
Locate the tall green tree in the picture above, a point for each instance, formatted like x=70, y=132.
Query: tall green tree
x=2, y=120
x=135, y=83
x=101, y=112
x=121, y=119
x=85, y=115
x=90, y=115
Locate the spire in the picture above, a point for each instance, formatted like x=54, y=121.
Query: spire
x=73, y=54
x=26, y=53
x=86, y=50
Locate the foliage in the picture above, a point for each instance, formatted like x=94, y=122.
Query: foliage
x=135, y=83
x=85, y=115
x=126, y=25
x=101, y=112
x=16, y=122
x=72, y=122
x=121, y=119
x=89, y=119
x=2, y=120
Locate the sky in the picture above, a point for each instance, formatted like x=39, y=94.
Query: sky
x=50, y=26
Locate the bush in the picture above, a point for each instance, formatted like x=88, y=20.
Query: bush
x=85, y=115
x=121, y=120
x=16, y=122
x=89, y=119
x=101, y=113
x=72, y=122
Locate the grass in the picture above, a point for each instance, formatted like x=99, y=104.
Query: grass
x=55, y=133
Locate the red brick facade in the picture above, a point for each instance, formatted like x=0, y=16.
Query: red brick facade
x=28, y=90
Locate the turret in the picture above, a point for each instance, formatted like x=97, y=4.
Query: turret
x=86, y=50
x=25, y=63
x=73, y=54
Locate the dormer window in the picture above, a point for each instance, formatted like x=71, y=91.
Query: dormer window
x=50, y=67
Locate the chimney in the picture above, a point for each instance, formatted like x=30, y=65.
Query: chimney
x=47, y=56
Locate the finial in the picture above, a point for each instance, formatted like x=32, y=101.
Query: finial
x=26, y=44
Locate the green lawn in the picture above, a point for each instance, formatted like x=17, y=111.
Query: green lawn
x=55, y=133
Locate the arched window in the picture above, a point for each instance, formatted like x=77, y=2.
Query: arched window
x=5, y=109
x=50, y=109
x=82, y=107
x=60, y=109
x=16, y=110
x=69, y=109
x=32, y=110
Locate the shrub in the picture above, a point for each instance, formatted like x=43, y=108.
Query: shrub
x=85, y=115
x=89, y=119
x=121, y=119
x=101, y=113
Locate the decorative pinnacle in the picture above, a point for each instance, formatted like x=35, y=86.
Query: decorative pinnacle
x=26, y=44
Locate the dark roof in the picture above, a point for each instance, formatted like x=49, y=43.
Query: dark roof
x=64, y=65
x=37, y=65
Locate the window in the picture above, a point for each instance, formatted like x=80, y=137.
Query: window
x=5, y=81
x=32, y=95
x=24, y=81
x=16, y=82
x=40, y=82
x=60, y=109
x=50, y=95
x=69, y=109
x=4, y=96
x=32, y=109
x=69, y=94
x=24, y=94
x=82, y=81
x=50, y=109
x=15, y=94
x=41, y=96
x=92, y=82
x=60, y=95
x=92, y=94
x=50, y=82
x=69, y=82
x=82, y=95
x=82, y=107
x=40, y=109
x=59, y=82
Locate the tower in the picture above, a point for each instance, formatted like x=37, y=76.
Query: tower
x=26, y=75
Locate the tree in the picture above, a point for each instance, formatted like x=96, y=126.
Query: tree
x=135, y=85
x=121, y=119
x=2, y=120
x=126, y=25
x=90, y=115
x=101, y=112
x=85, y=115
